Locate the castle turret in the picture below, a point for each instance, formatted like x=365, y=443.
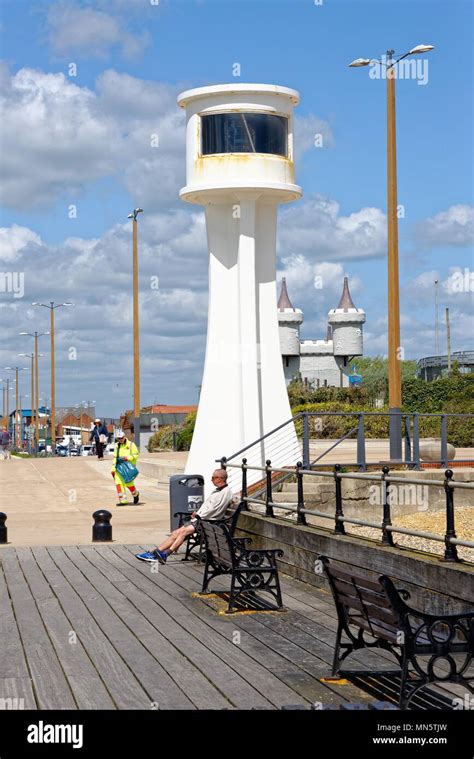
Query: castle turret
x=346, y=324
x=289, y=321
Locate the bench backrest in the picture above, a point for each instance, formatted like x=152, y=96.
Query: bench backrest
x=363, y=602
x=218, y=542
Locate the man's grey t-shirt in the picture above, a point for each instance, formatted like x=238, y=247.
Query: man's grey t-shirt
x=216, y=504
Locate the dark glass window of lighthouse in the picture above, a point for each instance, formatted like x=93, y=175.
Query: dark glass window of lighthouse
x=244, y=133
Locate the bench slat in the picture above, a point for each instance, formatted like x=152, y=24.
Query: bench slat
x=359, y=580
x=371, y=612
x=375, y=627
x=376, y=599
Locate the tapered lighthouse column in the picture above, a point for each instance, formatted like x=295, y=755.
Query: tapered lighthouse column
x=240, y=167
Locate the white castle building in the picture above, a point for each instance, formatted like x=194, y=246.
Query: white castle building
x=323, y=363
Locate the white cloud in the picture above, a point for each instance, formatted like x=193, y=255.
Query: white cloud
x=86, y=31
x=15, y=239
x=56, y=137
x=316, y=226
x=307, y=129
x=452, y=227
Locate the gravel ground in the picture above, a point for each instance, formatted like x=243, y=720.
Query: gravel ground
x=434, y=522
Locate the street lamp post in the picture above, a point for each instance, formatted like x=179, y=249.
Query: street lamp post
x=136, y=346
x=6, y=400
x=52, y=308
x=394, y=357
x=16, y=369
x=36, y=335
x=32, y=357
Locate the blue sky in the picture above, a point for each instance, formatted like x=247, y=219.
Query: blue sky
x=179, y=44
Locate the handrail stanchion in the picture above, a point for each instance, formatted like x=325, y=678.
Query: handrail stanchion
x=450, y=551
x=224, y=462
x=416, y=441
x=244, y=482
x=444, y=440
x=361, y=444
x=387, y=538
x=269, y=497
x=339, y=526
x=306, y=461
x=407, y=446
x=300, y=517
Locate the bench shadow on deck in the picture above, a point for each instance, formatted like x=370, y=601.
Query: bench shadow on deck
x=93, y=628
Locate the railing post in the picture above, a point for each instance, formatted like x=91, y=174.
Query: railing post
x=269, y=497
x=450, y=551
x=224, y=462
x=416, y=441
x=306, y=462
x=444, y=441
x=244, y=482
x=406, y=420
x=387, y=538
x=339, y=528
x=300, y=517
x=361, y=444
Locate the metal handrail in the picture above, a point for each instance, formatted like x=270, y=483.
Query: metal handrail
x=450, y=539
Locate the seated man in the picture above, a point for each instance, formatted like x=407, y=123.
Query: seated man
x=214, y=507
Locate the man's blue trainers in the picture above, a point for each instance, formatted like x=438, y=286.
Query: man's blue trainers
x=152, y=556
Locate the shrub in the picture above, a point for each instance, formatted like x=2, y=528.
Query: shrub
x=162, y=439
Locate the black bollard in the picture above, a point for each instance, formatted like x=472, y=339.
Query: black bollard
x=3, y=529
x=102, y=529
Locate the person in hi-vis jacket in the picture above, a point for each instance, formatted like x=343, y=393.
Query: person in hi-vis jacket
x=124, y=450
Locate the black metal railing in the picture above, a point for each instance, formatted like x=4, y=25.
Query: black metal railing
x=281, y=440
x=388, y=481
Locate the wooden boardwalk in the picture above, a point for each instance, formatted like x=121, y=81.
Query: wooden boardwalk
x=86, y=627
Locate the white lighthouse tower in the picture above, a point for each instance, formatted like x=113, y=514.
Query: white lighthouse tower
x=239, y=166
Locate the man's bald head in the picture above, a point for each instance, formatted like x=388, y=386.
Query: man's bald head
x=221, y=475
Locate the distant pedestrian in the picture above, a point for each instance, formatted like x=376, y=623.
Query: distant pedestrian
x=125, y=453
x=5, y=442
x=99, y=437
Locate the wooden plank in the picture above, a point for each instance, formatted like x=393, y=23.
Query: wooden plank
x=13, y=663
x=83, y=678
x=278, y=633
x=124, y=688
x=253, y=636
x=50, y=685
x=16, y=693
x=197, y=687
x=297, y=680
x=153, y=678
x=241, y=679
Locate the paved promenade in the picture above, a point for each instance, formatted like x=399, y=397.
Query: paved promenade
x=50, y=502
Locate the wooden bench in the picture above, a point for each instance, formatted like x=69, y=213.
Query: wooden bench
x=374, y=615
x=251, y=570
x=194, y=543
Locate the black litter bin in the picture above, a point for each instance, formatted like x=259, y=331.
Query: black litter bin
x=186, y=494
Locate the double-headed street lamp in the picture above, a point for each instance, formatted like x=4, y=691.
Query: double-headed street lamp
x=394, y=370
x=136, y=345
x=36, y=335
x=17, y=428
x=52, y=308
